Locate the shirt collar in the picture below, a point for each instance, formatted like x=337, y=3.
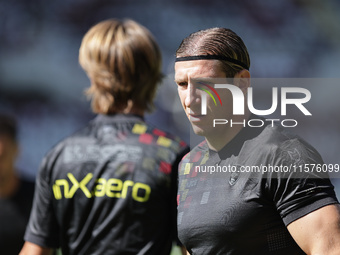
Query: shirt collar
x=118, y=117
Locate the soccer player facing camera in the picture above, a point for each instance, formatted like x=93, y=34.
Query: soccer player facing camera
x=235, y=212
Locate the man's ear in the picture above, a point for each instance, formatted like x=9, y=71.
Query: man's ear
x=242, y=80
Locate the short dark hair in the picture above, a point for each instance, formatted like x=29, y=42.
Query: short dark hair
x=8, y=126
x=216, y=41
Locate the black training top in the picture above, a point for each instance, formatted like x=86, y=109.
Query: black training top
x=108, y=189
x=240, y=200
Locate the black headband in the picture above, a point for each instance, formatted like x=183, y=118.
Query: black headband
x=216, y=57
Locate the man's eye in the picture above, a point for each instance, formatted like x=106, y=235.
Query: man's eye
x=181, y=84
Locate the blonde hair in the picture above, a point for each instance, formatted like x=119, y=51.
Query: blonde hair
x=123, y=62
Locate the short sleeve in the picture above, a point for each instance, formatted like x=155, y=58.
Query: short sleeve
x=42, y=228
x=297, y=191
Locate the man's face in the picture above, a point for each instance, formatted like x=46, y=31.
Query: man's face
x=189, y=76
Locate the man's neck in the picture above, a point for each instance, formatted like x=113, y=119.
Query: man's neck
x=132, y=109
x=220, y=139
x=9, y=185
x=217, y=143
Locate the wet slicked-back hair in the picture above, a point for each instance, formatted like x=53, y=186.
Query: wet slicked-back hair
x=216, y=41
x=123, y=62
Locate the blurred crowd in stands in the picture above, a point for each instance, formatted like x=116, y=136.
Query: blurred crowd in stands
x=41, y=82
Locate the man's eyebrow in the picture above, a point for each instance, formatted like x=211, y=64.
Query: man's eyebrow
x=205, y=81
x=177, y=79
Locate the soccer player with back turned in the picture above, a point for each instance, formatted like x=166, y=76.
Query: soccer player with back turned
x=110, y=188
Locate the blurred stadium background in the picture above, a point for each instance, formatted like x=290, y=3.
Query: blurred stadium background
x=42, y=84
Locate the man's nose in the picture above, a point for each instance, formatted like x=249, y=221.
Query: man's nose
x=193, y=96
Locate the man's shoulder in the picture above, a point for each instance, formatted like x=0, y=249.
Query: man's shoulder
x=149, y=134
x=97, y=137
x=196, y=153
x=284, y=143
x=279, y=137
x=284, y=138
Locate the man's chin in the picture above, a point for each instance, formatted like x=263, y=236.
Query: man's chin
x=199, y=130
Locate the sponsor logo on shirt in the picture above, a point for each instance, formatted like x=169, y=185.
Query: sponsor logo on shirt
x=113, y=188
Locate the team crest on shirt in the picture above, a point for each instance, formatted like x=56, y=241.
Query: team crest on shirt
x=234, y=176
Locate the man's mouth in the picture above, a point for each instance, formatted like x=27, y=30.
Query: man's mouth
x=193, y=117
